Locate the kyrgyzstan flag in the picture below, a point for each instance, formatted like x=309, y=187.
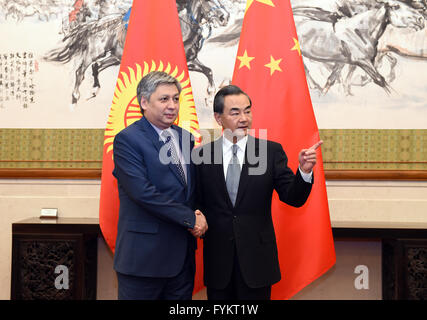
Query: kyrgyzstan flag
x=269, y=68
x=153, y=42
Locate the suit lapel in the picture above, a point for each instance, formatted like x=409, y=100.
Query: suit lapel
x=218, y=170
x=151, y=133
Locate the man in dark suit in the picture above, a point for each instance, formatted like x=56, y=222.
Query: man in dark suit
x=235, y=183
x=154, y=255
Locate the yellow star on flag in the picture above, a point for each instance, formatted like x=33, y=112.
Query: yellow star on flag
x=296, y=46
x=267, y=2
x=273, y=65
x=245, y=60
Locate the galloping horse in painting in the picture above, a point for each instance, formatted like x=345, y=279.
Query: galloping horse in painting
x=198, y=17
x=353, y=40
x=100, y=43
x=89, y=43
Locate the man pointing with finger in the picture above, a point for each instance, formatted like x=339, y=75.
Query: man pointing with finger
x=235, y=184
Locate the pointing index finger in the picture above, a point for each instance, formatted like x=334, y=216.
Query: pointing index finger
x=317, y=145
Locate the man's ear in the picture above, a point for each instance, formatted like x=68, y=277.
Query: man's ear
x=144, y=104
x=218, y=118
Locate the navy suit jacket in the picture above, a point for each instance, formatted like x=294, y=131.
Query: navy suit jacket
x=156, y=207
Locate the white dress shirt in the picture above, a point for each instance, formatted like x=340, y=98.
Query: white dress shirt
x=227, y=154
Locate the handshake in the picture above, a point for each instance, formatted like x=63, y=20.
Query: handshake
x=200, y=226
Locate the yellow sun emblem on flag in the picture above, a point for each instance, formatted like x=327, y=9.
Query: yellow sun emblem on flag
x=125, y=108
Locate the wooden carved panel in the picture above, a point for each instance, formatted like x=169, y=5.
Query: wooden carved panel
x=404, y=269
x=34, y=273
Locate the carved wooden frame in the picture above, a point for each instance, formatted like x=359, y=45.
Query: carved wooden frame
x=413, y=175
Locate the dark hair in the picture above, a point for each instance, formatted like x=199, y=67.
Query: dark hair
x=218, y=105
x=151, y=81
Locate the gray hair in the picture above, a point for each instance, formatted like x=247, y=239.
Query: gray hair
x=151, y=81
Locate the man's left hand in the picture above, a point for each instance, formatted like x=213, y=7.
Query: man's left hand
x=307, y=157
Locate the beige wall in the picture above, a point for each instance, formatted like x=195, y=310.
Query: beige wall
x=352, y=203
x=355, y=259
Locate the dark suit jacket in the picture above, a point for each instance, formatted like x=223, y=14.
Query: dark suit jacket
x=156, y=207
x=246, y=229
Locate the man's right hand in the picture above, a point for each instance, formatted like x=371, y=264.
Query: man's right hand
x=201, y=226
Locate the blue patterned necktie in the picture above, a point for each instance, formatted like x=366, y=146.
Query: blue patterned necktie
x=174, y=155
x=233, y=176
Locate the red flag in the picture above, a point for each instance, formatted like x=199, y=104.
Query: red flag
x=153, y=42
x=269, y=68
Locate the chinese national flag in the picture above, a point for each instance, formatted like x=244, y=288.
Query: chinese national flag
x=269, y=68
x=153, y=42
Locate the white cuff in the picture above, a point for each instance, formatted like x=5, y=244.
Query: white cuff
x=307, y=177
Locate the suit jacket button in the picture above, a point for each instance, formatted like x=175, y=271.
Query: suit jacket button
x=234, y=217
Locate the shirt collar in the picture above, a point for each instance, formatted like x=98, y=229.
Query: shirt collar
x=160, y=131
x=227, y=144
